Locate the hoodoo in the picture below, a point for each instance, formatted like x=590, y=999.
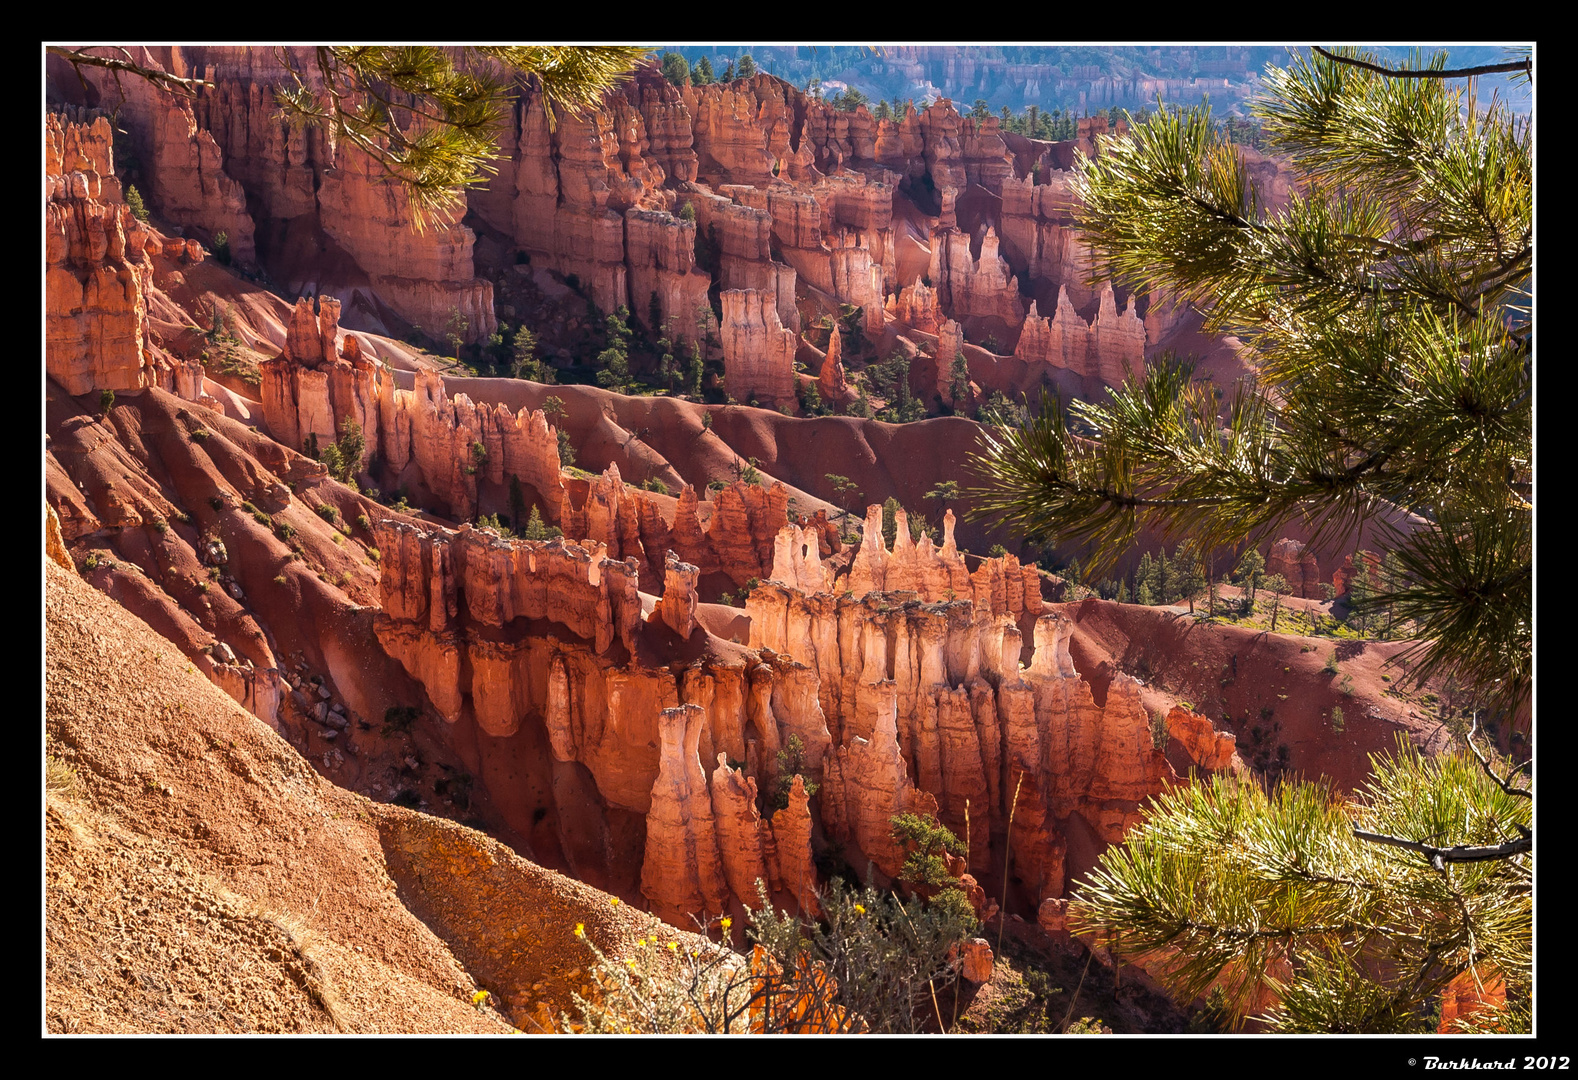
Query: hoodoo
x=521, y=537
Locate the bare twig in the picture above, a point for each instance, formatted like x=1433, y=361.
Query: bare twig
x=1090, y=955
x=1509, y=67
x=80, y=58
x=1457, y=853
x=1008, y=839
x=1504, y=784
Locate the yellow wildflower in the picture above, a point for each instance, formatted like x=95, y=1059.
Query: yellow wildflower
x=860, y=909
x=613, y=901
x=580, y=929
x=673, y=947
x=726, y=923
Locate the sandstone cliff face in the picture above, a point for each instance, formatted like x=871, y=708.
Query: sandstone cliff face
x=741, y=534
x=973, y=731
x=681, y=874
x=424, y=276
x=204, y=158
x=1039, y=236
x=1298, y=566
x=966, y=286
x=321, y=381
x=1109, y=349
x=96, y=272
x=183, y=167
x=758, y=352
x=795, y=194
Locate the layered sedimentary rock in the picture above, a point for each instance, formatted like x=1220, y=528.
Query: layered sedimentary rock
x=428, y=276
x=797, y=560
x=867, y=784
x=682, y=873
x=831, y=381
x=915, y=306
x=980, y=735
x=661, y=257
x=97, y=272
x=312, y=390
x=999, y=585
x=678, y=606
x=1110, y=348
x=981, y=287
x=315, y=386
x=183, y=167
x=792, y=867
x=856, y=278
x=740, y=230
x=436, y=584
x=1298, y=566
x=1208, y=748
x=1039, y=237
x=985, y=159
x=758, y=352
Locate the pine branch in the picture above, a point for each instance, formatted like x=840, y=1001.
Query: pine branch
x=1524, y=66
x=80, y=58
x=1457, y=853
x=1505, y=783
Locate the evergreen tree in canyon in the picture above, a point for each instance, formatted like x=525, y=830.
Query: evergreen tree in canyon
x=1387, y=307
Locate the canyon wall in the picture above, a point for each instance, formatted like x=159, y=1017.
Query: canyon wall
x=900, y=678
x=651, y=202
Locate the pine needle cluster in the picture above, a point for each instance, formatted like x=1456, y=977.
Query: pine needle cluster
x=431, y=116
x=1274, y=898
x=1386, y=307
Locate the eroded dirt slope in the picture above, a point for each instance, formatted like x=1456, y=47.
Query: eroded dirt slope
x=201, y=877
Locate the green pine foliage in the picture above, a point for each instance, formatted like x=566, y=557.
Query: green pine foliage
x=467, y=94
x=1387, y=308
x=139, y=209
x=536, y=529
x=344, y=456
x=1237, y=885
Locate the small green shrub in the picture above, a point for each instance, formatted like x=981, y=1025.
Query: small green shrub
x=1330, y=667
x=279, y=579
x=216, y=503
x=139, y=209
x=373, y=554
x=1336, y=718
x=925, y=840
x=161, y=527
x=363, y=524
x=791, y=763
x=106, y=400
x=327, y=512
x=201, y=434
